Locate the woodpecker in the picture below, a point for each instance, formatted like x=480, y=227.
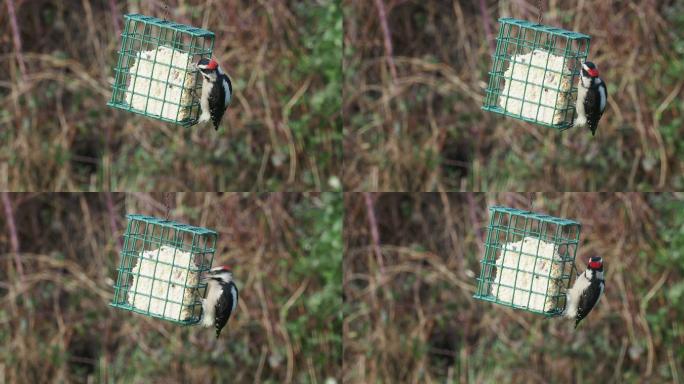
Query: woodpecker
x=217, y=91
x=222, y=298
x=592, y=97
x=585, y=294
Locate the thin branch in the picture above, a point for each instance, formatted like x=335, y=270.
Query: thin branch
x=472, y=206
x=380, y=5
x=148, y=200
x=112, y=219
x=375, y=235
x=12, y=228
x=115, y=17
x=486, y=21
x=16, y=37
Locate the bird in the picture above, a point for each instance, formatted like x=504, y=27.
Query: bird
x=592, y=97
x=221, y=300
x=586, y=292
x=217, y=91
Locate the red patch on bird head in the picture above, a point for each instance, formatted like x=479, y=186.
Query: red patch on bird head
x=593, y=72
x=595, y=264
x=212, y=64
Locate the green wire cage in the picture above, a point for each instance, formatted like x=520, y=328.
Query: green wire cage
x=155, y=74
x=160, y=269
x=534, y=73
x=529, y=260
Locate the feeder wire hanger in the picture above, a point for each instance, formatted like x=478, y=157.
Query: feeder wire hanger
x=166, y=10
x=539, y=9
x=531, y=200
x=167, y=204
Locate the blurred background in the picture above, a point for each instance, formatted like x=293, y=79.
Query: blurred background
x=281, y=132
x=410, y=266
x=415, y=73
x=58, y=260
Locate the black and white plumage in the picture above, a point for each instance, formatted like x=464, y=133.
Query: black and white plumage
x=222, y=299
x=586, y=292
x=592, y=97
x=217, y=91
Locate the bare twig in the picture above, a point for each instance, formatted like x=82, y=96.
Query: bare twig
x=12, y=228
x=112, y=219
x=16, y=37
x=472, y=205
x=486, y=21
x=373, y=224
x=283, y=320
x=115, y=17
x=380, y=5
x=148, y=200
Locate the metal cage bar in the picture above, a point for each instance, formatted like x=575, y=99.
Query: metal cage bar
x=518, y=38
x=144, y=34
x=146, y=234
x=508, y=227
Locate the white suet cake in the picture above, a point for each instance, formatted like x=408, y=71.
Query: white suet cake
x=517, y=99
x=168, y=81
x=541, y=276
x=172, y=276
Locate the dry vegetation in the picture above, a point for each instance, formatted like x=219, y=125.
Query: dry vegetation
x=58, y=256
x=412, y=318
x=282, y=132
x=413, y=120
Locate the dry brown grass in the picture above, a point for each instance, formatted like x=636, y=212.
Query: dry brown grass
x=56, y=325
x=58, y=134
x=424, y=130
x=412, y=318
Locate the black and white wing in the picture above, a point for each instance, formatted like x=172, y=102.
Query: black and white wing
x=225, y=305
x=588, y=300
x=219, y=99
x=595, y=104
x=216, y=98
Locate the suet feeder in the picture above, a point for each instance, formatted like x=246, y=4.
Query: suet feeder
x=529, y=260
x=534, y=73
x=155, y=74
x=160, y=269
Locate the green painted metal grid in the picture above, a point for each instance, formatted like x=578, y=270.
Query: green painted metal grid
x=145, y=33
x=518, y=37
x=508, y=225
x=144, y=233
